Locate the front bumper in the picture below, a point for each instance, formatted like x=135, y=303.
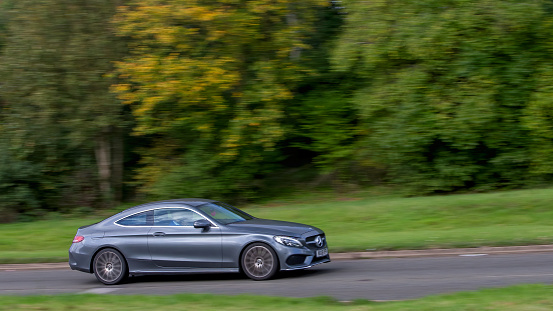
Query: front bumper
x=313, y=263
x=292, y=258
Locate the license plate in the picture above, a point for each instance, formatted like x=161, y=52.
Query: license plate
x=322, y=252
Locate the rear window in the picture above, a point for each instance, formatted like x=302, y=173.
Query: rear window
x=140, y=219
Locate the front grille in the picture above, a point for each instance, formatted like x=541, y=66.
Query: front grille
x=311, y=241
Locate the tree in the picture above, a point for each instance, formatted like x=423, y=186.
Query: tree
x=59, y=113
x=5, y=7
x=207, y=82
x=446, y=86
x=538, y=118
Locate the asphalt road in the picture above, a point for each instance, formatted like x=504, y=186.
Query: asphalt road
x=373, y=279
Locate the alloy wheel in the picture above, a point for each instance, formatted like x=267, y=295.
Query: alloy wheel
x=109, y=266
x=259, y=262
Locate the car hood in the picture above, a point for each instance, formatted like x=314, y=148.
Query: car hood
x=274, y=226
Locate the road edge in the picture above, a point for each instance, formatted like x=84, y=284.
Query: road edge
x=484, y=250
x=474, y=251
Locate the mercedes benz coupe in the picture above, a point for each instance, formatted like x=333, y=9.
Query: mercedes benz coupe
x=193, y=235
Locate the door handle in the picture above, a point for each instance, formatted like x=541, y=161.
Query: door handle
x=158, y=234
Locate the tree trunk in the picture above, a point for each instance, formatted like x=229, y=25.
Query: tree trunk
x=103, y=162
x=117, y=165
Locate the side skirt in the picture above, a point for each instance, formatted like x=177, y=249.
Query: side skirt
x=184, y=271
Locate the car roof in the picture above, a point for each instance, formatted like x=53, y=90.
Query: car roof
x=193, y=202
x=190, y=202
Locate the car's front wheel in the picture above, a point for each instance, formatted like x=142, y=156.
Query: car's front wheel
x=259, y=261
x=109, y=266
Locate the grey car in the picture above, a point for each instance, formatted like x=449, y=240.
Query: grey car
x=193, y=235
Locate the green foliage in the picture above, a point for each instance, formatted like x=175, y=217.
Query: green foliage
x=56, y=100
x=228, y=97
x=325, y=124
x=208, y=83
x=539, y=120
x=447, y=83
x=18, y=181
x=5, y=6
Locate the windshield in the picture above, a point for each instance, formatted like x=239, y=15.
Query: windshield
x=224, y=213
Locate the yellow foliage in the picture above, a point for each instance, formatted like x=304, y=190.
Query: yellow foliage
x=223, y=69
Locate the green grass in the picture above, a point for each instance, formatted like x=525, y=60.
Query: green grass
x=519, y=298
x=384, y=222
x=361, y=221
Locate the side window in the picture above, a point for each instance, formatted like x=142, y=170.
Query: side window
x=140, y=219
x=175, y=217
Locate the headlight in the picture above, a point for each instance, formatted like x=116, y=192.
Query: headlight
x=288, y=241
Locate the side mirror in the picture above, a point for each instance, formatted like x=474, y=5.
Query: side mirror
x=202, y=223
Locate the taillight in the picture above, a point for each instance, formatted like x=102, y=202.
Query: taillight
x=78, y=239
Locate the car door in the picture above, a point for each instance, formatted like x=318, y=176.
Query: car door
x=129, y=235
x=175, y=243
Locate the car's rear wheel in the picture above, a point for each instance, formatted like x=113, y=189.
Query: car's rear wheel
x=259, y=261
x=110, y=266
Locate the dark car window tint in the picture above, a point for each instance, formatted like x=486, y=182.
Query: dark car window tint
x=224, y=213
x=140, y=219
x=175, y=217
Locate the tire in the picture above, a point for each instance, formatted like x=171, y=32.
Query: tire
x=110, y=266
x=259, y=262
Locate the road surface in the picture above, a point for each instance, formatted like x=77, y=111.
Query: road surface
x=373, y=279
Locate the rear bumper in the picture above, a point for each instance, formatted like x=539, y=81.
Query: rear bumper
x=77, y=260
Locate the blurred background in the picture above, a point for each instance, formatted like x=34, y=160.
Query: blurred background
x=108, y=101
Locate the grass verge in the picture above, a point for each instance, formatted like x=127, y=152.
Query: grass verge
x=520, y=298
x=357, y=222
